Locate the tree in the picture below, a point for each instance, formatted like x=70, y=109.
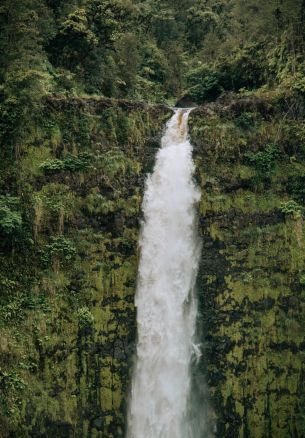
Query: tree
x=23, y=69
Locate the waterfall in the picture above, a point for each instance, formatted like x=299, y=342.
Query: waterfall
x=166, y=307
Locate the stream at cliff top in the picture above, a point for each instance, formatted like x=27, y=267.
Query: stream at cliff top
x=166, y=306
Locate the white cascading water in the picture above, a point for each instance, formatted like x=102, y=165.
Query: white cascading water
x=166, y=308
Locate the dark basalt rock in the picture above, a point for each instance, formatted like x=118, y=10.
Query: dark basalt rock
x=99, y=104
x=186, y=102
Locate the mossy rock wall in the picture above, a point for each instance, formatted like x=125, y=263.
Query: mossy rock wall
x=250, y=167
x=67, y=287
x=69, y=256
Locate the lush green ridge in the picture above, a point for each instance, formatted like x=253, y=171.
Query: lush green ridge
x=250, y=166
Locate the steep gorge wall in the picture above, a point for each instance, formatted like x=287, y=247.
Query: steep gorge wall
x=67, y=287
x=250, y=165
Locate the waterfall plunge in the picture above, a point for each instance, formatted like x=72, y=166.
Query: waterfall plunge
x=166, y=308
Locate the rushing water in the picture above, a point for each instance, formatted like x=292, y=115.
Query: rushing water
x=166, y=308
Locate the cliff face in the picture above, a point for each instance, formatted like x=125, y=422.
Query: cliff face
x=250, y=166
x=67, y=287
x=67, y=313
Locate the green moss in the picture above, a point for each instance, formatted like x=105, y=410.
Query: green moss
x=67, y=312
x=254, y=237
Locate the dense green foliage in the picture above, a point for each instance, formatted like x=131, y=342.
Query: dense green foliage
x=75, y=145
x=149, y=49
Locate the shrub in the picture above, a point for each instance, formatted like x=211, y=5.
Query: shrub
x=77, y=163
x=298, y=83
x=85, y=317
x=7, y=285
x=115, y=162
x=10, y=380
x=203, y=83
x=52, y=166
x=10, y=217
x=36, y=302
x=71, y=163
x=60, y=251
x=264, y=161
x=11, y=386
x=291, y=207
x=96, y=203
x=13, y=310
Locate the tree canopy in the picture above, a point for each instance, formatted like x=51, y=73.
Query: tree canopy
x=150, y=49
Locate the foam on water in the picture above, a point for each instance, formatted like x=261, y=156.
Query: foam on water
x=166, y=308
